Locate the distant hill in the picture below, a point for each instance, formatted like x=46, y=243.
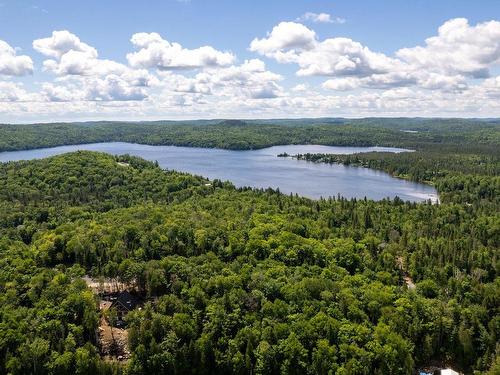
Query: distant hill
x=236, y=134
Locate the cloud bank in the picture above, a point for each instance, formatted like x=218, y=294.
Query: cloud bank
x=449, y=74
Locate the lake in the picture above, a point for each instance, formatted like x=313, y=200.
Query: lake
x=262, y=168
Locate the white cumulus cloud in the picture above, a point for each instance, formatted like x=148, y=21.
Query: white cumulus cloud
x=320, y=18
x=156, y=52
x=84, y=76
x=250, y=80
x=286, y=36
x=62, y=42
x=457, y=52
x=14, y=92
x=291, y=42
x=458, y=49
x=11, y=64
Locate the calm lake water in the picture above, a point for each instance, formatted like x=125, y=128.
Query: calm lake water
x=262, y=168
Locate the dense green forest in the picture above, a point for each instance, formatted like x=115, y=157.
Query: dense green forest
x=242, y=135
x=459, y=177
x=250, y=281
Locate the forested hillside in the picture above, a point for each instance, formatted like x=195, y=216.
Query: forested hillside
x=240, y=280
x=466, y=177
x=419, y=134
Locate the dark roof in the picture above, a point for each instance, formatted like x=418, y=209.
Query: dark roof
x=126, y=300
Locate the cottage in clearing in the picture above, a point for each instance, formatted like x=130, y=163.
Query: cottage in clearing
x=124, y=303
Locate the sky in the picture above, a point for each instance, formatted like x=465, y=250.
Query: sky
x=193, y=59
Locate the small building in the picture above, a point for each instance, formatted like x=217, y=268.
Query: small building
x=124, y=303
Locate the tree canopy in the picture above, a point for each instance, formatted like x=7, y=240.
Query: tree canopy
x=246, y=280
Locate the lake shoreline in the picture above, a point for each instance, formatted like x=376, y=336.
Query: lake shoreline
x=400, y=176
x=260, y=169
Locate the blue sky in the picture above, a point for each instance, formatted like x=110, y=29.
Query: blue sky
x=382, y=27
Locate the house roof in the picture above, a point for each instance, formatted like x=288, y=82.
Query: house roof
x=126, y=300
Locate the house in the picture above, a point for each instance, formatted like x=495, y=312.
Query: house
x=124, y=303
